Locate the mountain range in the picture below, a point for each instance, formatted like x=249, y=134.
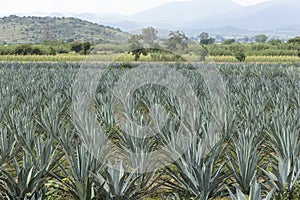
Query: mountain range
x=277, y=17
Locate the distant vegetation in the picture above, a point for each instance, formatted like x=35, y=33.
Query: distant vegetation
x=52, y=36
x=205, y=45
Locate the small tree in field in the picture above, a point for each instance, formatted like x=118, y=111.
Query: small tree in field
x=52, y=51
x=80, y=47
x=295, y=40
x=24, y=49
x=240, y=56
x=261, y=38
x=177, y=40
x=136, y=47
x=203, y=52
x=149, y=36
x=86, y=46
x=229, y=41
x=76, y=46
x=275, y=42
x=205, y=39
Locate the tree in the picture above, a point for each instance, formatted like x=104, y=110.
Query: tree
x=86, y=46
x=203, y=53
x=177, y=40
x=36, y=51
x=229, y=41
x=80, y=47
x=26, y=49
x=203, y=36
x=136, y=47
x=240, y=56
x=261, y=38
x=238, y=51
x=246, y=39
x=149, y=36
x=205, y=39
x=76, y=46
x=294, y=40
x=275, y=42
x=52, y=51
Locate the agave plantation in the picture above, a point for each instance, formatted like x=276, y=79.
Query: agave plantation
x=44, y=156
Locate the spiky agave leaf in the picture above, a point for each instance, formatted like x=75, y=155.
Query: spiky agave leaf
x=30, y=173
x=117, y=183
x=255, y=193
x=76, y=175
x=197, y=172
x=244, y=159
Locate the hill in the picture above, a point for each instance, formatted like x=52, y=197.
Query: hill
x=16, y=29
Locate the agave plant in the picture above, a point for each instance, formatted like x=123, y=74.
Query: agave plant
x=76, y=174
x=32, y=159
x=138, y=146
x=7, y=144
x=285, y=142
x=284, y=177
x=29, y=183
x=30, y=174
x=198, y=173
x=244, y=159
x=117, y=183
x=255, y=193
x=52, y=116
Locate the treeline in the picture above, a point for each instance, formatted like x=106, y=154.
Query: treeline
x=262, y=46
x=46, y=48
x=256, y=49
x=205, y=45
x=178, y=42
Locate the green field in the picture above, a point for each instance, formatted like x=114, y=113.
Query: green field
x=243, y=140
x=129, y=58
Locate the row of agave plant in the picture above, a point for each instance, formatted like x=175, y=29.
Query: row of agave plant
x=47, y=153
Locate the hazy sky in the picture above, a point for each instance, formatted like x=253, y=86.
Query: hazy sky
x=97, y=6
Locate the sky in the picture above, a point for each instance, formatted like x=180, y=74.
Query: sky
x=122, y=7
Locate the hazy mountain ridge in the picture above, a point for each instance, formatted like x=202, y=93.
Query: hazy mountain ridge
x=272, y=17
x=184, y=11
x=277, y=18
x=275, y=14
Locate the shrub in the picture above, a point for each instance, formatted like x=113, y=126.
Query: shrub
x=240, y=56
x=24, y=49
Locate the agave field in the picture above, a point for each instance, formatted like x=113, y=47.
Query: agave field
x=251, y=151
